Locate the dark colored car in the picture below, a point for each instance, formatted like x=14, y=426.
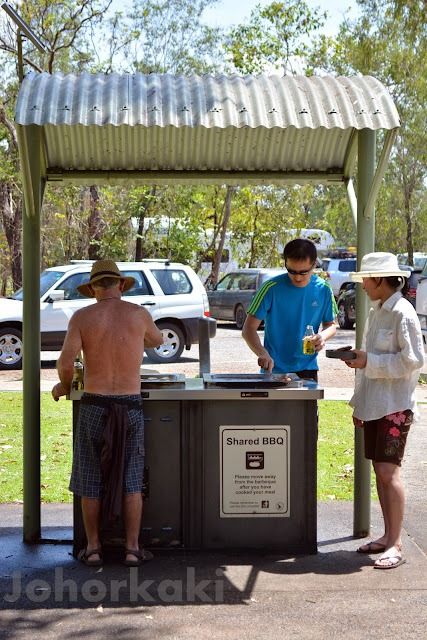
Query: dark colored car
x=231, y=297
x=346, y=302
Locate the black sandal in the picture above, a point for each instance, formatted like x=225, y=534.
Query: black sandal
x=85, y=557
x=141, y=555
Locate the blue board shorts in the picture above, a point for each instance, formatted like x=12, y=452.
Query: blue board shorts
x=86, y=478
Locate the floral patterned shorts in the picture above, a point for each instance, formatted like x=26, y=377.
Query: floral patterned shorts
x=385, y=438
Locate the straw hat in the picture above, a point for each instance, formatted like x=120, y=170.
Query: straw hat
x=378, y=265
x=104, y=269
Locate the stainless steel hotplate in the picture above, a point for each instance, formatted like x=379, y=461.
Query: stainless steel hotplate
x=160, y=380
x=251, y=380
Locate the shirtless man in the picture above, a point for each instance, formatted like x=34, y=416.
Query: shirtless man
x=112, y=335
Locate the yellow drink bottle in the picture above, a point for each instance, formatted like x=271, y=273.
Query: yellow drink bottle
x=307, y=344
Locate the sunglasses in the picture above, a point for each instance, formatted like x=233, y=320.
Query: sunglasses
x=292, y=272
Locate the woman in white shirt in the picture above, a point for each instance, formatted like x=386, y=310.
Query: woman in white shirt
x=388, y=367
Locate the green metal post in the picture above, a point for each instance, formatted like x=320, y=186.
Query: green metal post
x=31, y=341
x=365, y=244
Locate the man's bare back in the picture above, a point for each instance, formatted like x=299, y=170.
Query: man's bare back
x=113, y=335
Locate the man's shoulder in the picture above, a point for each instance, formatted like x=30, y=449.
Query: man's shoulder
x=272, y=285
x=277, y=281
x=320, y=284
x=94, y=309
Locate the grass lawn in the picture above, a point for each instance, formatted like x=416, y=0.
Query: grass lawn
x=335, y=450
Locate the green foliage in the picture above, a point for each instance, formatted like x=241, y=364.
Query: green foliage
x=276, y=36
x=66, y=27
x=389, y=41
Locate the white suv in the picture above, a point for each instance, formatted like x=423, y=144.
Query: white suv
x=170, y=291
x=337, y=272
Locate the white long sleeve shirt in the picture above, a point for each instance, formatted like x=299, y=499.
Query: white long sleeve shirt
x=395, y=355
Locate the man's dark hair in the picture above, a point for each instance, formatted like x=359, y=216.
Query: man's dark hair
x=300, y=249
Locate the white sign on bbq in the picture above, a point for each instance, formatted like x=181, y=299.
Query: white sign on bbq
x=254, y=469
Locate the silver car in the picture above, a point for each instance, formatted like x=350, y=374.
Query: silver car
x=231, y=297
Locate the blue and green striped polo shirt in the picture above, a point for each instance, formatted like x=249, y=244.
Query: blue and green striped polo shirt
x=286, y=311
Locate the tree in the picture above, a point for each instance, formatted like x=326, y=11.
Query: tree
x=167, y=36
x=389, y=41
x=276, y=36
x=63, y=26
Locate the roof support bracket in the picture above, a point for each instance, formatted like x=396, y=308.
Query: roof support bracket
x=379, y=173
x=352, y=199
x=31, y=154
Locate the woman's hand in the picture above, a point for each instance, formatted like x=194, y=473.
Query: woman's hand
x=357, y=422
x=360, y=360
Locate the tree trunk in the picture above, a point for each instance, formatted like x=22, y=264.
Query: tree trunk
x=145, y=206
x=212, y=279
x=408, y=190
x=252, y=255
x=11, y=218
x=409, y=240
x=95, y=224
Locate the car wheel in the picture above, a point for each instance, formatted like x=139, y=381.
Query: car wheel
x=10, y=348
x=343, y=319
x=172, y=347
x=240, y=316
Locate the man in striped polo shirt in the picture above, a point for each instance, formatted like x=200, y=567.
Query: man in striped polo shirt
x=287, y=304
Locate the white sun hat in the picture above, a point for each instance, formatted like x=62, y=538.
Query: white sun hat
x=378, y=265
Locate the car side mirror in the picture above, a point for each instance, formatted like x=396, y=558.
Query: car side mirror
x=57, y=295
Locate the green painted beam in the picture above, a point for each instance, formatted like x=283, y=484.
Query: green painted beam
x=365, y=244
x=194, y=177
x=33, y=193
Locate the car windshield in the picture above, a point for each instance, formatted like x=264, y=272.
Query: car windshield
x=420, y=260
x=419, y=263
x=270, y=274
x=347, y=265
x=47, y=280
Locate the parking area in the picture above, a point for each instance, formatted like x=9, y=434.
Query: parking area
x=229, y=354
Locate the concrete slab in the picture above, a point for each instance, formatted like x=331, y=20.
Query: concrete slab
x=45, y=593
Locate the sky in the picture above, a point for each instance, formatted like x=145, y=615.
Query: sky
x=228, y=12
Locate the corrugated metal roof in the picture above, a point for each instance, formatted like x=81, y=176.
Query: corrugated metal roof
x=196, y=123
